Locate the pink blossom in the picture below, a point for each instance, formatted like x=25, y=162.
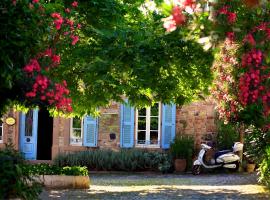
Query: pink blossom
x=58, y=23
x=56, y=15
x=69, y=22
x=48, y=52
x=56, y=59
x=178, y=15
x=79, y=26
x=30, y=94
x=74, y=4
x=169, y=24
x=231, y=17
x=223, y=10
x=35, y=1
x=67, y=10
x=250, y=39
x=230, y=36
x=75, y=39
x=32, y=66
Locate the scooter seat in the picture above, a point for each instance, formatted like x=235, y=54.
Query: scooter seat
x=219, y=153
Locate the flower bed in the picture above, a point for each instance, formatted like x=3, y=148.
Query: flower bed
x=52, y=176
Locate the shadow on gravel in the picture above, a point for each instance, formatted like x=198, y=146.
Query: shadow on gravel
x=158, y=193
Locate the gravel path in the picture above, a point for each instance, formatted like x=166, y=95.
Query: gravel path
x=163, y=187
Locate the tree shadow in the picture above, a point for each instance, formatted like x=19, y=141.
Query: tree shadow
x=161, y=193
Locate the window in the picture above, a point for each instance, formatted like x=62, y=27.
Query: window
x=1, y=131
x=76, y=131
x=148, y=126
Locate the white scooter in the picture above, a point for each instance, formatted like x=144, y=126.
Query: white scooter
x=226, y=158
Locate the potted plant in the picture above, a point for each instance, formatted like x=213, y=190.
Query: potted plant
x=181, y=149
x=250, y=163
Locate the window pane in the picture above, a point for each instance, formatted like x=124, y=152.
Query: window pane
x=142, y=112
x=141, y=137
x=76, y=122
x=29, y=123
x=153, y=137
x=154, y=110
x=1, y=129
x=76, y=132
x=141, y=123
x=154, y=123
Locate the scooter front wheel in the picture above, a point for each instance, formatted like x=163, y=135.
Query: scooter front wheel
x=196, y=169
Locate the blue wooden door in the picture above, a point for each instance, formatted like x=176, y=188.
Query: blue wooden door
x=28, y=134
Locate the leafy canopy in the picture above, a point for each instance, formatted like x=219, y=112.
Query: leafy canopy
x=124, y=51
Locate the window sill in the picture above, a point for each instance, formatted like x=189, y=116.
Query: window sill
x=147, y=146
x=76, y=144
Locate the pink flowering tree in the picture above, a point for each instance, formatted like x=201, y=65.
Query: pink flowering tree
x=36, y=35
x=240, y=32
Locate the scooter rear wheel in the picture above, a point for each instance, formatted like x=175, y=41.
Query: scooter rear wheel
x=235, y=169
x=196, y=169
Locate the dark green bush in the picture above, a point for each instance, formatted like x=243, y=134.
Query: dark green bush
x=264, y=169
x=255, y=144
x=124, y=160
x=46, y=169
x=182, y=147
x=227, y=135
x=14, y=181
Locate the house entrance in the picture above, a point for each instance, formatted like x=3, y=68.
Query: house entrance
x=36, y=130
x=44, y=135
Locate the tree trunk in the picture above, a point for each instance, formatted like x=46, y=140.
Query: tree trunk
x=241, y=139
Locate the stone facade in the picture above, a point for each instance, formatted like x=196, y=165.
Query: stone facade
x=196, y=119
x=11, y=132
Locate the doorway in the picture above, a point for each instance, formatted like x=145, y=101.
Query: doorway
x=44, y=135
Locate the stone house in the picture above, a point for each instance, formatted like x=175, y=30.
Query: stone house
x=41, y=137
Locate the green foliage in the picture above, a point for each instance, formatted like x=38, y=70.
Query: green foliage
x=227, y=135
x=17, y=47
x=46, y=169
x=14, y=181
x=182, y=147
x=124, y=160
x=264, y=169
x=255, y=143
x=124, y=52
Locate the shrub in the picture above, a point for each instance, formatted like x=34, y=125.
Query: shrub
x=14, y=181
x=124, y=160
x=182, y=147
x=46, y=169
x=256, y=143
x=227, y=135
x=264, y=169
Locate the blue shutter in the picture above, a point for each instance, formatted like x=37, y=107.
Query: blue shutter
x=90, y=131
x=168, y=124
x=127, y=126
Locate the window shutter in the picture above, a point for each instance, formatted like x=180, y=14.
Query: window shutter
x=90, y=130
x=168, y=124
x=127, y=126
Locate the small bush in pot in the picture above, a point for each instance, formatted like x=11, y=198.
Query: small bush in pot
x=181, y=150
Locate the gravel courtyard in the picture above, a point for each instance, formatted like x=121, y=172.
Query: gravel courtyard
x=163, y=187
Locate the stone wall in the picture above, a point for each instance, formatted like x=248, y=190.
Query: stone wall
x=109, y=127
x=108, y=132
x=199, y=120
x=10, y=132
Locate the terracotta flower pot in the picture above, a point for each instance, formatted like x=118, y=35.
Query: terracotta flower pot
x=250, y=167
x=180, y=165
